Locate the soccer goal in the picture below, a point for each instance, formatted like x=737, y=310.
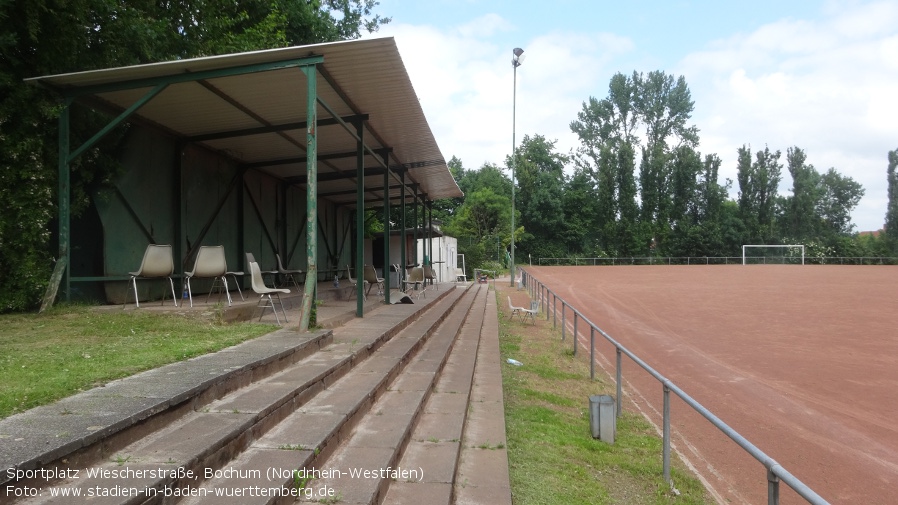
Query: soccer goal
x=761, y=254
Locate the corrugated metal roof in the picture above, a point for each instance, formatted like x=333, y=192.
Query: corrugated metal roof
x=222, y=111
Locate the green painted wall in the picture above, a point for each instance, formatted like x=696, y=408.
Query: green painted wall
x=258, y=214
x=146, y=186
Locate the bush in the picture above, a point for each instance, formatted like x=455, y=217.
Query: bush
x=493, y=266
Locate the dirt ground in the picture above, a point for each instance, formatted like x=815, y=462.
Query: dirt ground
x=801, y=360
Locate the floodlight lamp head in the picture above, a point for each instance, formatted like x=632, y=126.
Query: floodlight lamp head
x=518, y=57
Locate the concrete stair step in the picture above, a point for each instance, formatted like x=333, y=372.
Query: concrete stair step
x=436, y=441
x=361, y=408
x=212, y=436
x=482, y=473
x=99, y=423
x=377, y=443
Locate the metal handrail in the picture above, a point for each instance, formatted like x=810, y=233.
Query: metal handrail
x=776, y=473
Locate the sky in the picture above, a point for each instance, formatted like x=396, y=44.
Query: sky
x=819, y=75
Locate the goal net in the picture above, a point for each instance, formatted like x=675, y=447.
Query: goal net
x=763, y=254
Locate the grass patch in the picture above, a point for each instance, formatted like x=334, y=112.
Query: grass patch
x=553, y=458
x=73, y=348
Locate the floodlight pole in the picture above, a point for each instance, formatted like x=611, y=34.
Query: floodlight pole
x=515, y=63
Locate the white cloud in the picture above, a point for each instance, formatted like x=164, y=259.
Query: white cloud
x=827, y=87
x=824, y=84
x=465, y=82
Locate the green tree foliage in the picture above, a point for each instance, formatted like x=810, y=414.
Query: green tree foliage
x=891, y=224
x=580, y=209
x=489, y=176
x=758, y=190
x=53, y=37
x=677, y=206
x=484, y=214
x=800, y=216
x=821, y=204
x=650, y=112
x=540, y=178
x=482, y=223
x=839, y=195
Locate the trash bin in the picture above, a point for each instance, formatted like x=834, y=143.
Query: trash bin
x=602, y=417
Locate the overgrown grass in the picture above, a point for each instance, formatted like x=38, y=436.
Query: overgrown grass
x=553, y=458
x=72, y=348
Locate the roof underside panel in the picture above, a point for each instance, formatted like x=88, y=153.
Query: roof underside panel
x=259, y=118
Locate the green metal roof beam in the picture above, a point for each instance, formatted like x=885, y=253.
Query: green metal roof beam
x=190, y=76
x=301, y=125
x=348, y=101
x=357, y=136
x=117, y=121
x=335, y=176
x=301, y=159
x=352, y=191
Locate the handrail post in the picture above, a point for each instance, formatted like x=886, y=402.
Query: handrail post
x=619, y=377
x=773, y=488
x=575, y=333
x=592, y=352
x=554, y=311
x=563, y=322
x=666, y=449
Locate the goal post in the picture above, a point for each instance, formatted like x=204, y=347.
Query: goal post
x=746, y=247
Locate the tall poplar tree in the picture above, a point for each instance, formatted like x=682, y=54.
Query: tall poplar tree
x=758, y=193
x=801, y=219
x=891, y=224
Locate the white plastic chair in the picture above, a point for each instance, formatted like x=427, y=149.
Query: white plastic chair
x=371, y=278
x=251, y=259
x=430, y=275
x=532, y=312
x=415, y=277
x=355, y=282
x=265, y=293
x=515, y=311
x=210, y=263
x=157, y=263
x=288, y=275
x=522, y=312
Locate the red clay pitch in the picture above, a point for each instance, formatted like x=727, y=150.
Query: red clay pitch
x=800, y=360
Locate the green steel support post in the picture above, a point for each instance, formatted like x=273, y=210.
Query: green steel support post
x=178, y=202
x=241, y=226
x=281, y=226
x=429, y=242
x=402, y=242
x=65, y=230
x=360, y=222
x=415, y=222
x=308, y=296
x=386, y=273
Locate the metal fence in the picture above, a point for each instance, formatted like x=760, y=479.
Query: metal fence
x=719, y=260
x=775, y=472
